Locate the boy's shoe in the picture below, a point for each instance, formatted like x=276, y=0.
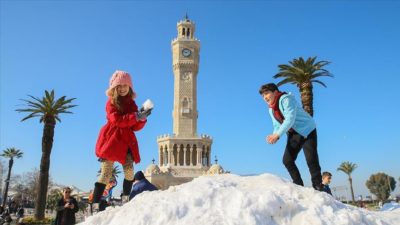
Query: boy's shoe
x=94, y=208
x=124, y=199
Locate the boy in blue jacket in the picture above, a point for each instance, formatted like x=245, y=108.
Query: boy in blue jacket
x=140, y=184
x=326, y=180
x=287, y=117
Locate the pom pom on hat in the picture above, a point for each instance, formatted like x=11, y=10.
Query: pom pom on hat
x=120, y=77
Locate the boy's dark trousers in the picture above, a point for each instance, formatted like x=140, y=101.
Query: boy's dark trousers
x=294, y=144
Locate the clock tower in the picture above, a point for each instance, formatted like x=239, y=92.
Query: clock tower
x=185, y=64
x=184, y=154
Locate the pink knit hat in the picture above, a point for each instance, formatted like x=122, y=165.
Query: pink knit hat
x=120, y=77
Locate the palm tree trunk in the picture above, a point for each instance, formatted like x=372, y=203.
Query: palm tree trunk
x=307, y=97
x=47, y=144
x=351, y=189
x=10, y=164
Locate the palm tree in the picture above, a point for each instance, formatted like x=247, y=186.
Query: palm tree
x=114, y=173
x=47, y=109
x=303, y=74
x=348, y=168
x=113, y=179
x=10, y=153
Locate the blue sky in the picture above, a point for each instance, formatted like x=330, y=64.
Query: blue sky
x=73, y=47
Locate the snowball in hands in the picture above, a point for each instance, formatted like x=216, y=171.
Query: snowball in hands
x=148, y=104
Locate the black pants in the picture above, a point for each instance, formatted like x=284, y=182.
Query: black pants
x=309, y=144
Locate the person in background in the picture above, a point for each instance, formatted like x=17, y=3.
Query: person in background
x=326, y=180
x=66, y=208
x=20, y=213
x=140, y=184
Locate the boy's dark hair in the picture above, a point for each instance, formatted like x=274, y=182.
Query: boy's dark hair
x=326, y=174
x=268, y=87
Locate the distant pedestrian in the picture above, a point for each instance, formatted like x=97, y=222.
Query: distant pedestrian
x=20, y=214
x=141, y=184
x=288, y=117
x=6, y=218
x=66, y=208
x=326, y=180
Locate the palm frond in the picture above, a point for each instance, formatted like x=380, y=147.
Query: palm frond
x=12, y=153
x=285, y=82
x=30, y=116
x=47, y=106
x=300, y=71
x=321, y=74
x=319, y=82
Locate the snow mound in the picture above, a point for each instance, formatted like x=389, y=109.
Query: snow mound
x=232, y=199
x=390, y=206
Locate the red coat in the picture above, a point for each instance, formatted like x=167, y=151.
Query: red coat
x=117, y=136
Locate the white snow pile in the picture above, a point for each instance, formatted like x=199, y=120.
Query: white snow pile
x=232, y=199
x=390, y=206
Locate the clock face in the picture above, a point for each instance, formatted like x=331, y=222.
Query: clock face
x=186, y=52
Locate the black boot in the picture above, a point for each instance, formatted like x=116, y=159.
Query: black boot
x=126, y=191
x=127, y=187
x=97, y=193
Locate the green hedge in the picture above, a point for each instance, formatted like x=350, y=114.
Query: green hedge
x=31, y=220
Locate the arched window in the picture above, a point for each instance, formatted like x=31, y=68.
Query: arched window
x=185, y=105
x=161, y=156
x=187, y=160
x=175, y=155
x=208, y=155
x=204, y=157
x=166, y=155
x=188, y=33
x=183, y=32
x=181, y=155
x=194, y=155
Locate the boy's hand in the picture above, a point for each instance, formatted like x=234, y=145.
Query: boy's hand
x=273, y=138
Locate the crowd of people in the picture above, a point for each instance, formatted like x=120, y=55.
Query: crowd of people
x=11, y=209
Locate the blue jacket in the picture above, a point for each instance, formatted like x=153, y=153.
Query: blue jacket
x=295, y=117
x=327, y=189
x=139, y=187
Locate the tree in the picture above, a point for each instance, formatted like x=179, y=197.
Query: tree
x=47, y=109
x=303, y=74
x=111, y=183
x=10, y=153
x=348, y=168
x=2, y=172
x=115, y=172
x=54, y=197
x=27, y=185
x=381, y=184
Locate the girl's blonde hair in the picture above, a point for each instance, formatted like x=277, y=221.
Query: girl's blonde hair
x=115, y=98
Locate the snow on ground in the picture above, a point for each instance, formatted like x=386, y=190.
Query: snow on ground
x=390, y=206
x=232, y=199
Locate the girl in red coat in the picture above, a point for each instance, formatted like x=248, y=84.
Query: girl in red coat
x=117, y=140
